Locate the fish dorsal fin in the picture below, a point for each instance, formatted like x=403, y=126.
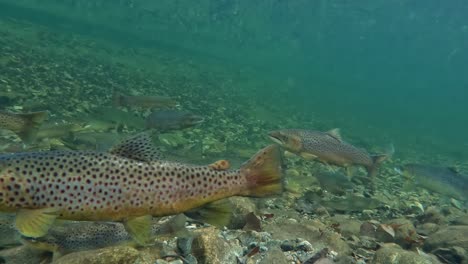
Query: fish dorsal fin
x=335, y=133
x=138, y=147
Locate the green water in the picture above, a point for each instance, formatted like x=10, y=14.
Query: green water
x=386, y=71
x=382, y=71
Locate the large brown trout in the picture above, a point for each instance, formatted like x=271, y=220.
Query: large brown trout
x=326, y=147
x=24, y=125
x=128, y=184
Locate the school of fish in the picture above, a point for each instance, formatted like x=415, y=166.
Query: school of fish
x=119, y=191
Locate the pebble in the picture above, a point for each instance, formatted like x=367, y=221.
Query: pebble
x=305, y=246
x=287, y=245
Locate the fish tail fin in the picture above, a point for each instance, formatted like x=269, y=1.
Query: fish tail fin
x=389, y=151
x=378, y=159
x=376, y=162
x=263, y=173
x=116, y=98
x=32, y=122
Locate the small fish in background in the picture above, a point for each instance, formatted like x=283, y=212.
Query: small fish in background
x=57, y=130
x=348, y=203
x=10, y=97
x=7, y=146
x=351, y=203
x=442, y=180
x=79, y=236
x=327, y=147
x=334, y=182
x=25, y=125
x=110, y=118
x=128, y=184
x=142, y=101
x=168, y=120
x=99, y=141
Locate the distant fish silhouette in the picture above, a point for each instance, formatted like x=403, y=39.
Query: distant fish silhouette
x=25, y=125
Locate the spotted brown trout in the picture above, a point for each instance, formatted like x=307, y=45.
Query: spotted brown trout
x=326, y=147
x=443, y=180
x=25, y=125
x=128, y=184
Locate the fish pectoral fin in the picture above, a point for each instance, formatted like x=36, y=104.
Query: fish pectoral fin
x=217, y=213
x=138, y=147
x=220, y=165
x=139, y=228
x=308, y=156
x=35, y=223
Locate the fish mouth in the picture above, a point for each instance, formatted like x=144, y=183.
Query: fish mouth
x=275, y=138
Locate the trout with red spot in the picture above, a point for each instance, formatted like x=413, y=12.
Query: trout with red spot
x=129, y=184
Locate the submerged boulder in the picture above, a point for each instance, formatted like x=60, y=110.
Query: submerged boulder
x=393, y=254
x=110, y=255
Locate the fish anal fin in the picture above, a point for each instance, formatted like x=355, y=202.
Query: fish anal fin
x=220, y=165
x=335, y=133
x=174, y=227
x=308, y=156
x=35, y=223
x=139, y=228
x=217, y=213
x=138, y=147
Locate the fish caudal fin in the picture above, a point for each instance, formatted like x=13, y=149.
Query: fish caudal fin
x=378, y=159
x=117, y=98
x=376, y=162
x=32, y=122
x=263, y=173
